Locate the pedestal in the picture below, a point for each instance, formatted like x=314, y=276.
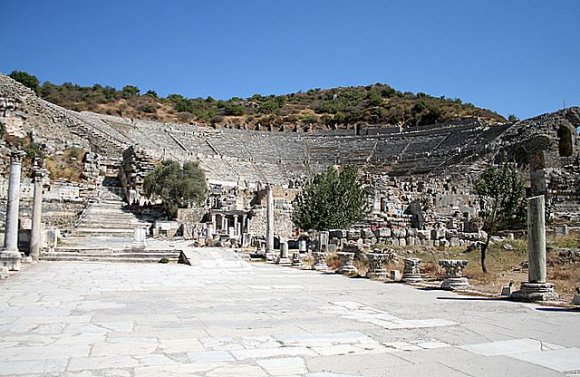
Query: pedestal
x=411, y=271
x=11, y=260
x=283, y=258
x=376, y=266
x=346, y=264
x=296, y=261
x=535, y=292
x=319, y=261
x=454, y=279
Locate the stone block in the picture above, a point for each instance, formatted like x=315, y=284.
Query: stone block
x=383, y=233
x=411, y=232
x=410, y=241
x=337, y=233
x=396, y=275
x=561, y=230
x=353, y=235
x=424, y=234
x=437, y=234
x=402, y=242
x=367, y=234
x=3, y=272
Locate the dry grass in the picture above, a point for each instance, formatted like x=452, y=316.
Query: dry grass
x=503, y=266
x=68, y=166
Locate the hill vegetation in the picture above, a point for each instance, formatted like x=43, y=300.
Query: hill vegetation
x=377, y=104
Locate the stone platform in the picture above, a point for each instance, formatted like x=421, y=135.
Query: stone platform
x=213, y=320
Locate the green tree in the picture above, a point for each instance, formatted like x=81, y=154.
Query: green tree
x=176, y=186
x=503, y=192
x=26, y=79
x=332, y=199
x=512, y=118
x=129, y=91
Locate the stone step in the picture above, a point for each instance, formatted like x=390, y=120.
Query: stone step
x=110, y=224
x=125, y=229
x=103, y=258
x=109, y=255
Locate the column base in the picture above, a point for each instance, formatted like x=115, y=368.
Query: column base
x=377, y=275
x=411, y=278
x=10, y=259
x=281, y=260
x=271, y=257
x=535, y=292
x=452, y=284
x=4, y=272
x=319, y=261
x=348, y=270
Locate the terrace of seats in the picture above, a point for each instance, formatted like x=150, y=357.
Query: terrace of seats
x=241, y=155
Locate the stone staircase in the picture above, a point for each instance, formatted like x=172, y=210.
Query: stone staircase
x=105, y=231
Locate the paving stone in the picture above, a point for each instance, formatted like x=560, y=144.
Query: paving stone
x=183, y=321
x=283, y=366
x=510, y=347
x=27, y=367
x=562, y=360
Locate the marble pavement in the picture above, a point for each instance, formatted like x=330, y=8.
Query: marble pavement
x=216, y=320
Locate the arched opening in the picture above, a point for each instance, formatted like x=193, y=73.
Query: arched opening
x=566, y=141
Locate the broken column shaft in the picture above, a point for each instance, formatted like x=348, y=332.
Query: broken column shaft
x=536, y=289
x=35, y=236
x=269, y=220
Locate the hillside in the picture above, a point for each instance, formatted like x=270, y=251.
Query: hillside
x=377, y=104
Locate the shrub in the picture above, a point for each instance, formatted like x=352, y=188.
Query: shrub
x=26, y=79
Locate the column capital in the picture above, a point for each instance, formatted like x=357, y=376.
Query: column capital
x=39, y=174
x=16, y=156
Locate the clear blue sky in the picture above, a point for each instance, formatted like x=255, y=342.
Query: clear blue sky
x=520, y=57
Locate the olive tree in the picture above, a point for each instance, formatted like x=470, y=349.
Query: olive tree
x=331, y=199
x=176, y=186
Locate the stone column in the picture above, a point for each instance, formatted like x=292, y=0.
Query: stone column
x=209, y=232
x=213, y=221
x=236, y=226
x=243, y=226
x=536, y=288
x=269, y=220
x=536, y=240
x=224, y=223
x=323, y=237
x=10, y=256
x=35, y=237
